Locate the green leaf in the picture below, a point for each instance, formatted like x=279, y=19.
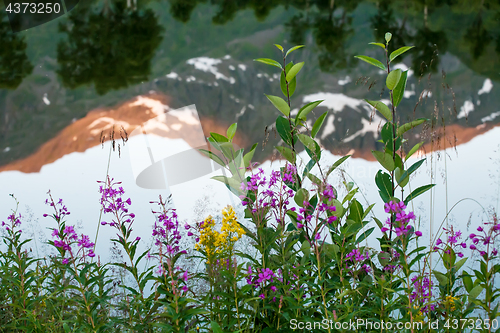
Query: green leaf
x=355, y=211
x=307, y=141
x=398, y=174
x=378, y=44
x=399, y=90
x=411, y=170
x=337, y=163
x=232, y=184
x=474, y=293
x=315, y=153
x=384, y=159
x=372, y=61
x=291, y=86
x=293, y=49
x=384, y=184
x=413, y=150
x=287, y=153
x=364, y=235
x=308, y=167
x=294, y=71
x=269, y=62
x=218, y=137
x=237, y=166
x=403, y=128
x=388, y=37
x=467, y=282
x=384, y=258
x=247, y=159
x=398, y=52
x=420, y=190
x=443, y=279
x=213, y=143
x=214, y=157
x=379, y=223
x=367, y=211
x=416, y=259
x=382, y=108
x=279, y=47
x=306, y=109
x=314, y=179
x=393, y=79
x=283, y=128
x=459, y=264
x=280, y=104
x=227, y=149
x=318, y=123
x=350, y=195
x=215, y=327
x=339, y=209
x=231, y=131
x=301, y=196
x=386, y=134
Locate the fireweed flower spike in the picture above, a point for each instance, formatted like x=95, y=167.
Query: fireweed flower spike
x=167, y=235
x=113, y=203
x=65, y=236
x=263, y=280
x=422, y=293
x=484, y=242
x=401, y=225
x=13, y=221
x=452, y=243
x=269, y=198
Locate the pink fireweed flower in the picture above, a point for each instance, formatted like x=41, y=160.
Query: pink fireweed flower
x=12, y=223
x=422, y=293
x=65, y=236
x=356, y=255
x=60, y=210
x=112, y=202
x=452, y=242
x=400, y=226
x=483, y=242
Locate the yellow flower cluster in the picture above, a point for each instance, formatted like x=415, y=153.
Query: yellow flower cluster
x=450, y=301
x=231, y=230
x=419, y=317
x=219, y=243
x=208, y=237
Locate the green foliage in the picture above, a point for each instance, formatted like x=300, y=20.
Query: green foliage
x=306, y=260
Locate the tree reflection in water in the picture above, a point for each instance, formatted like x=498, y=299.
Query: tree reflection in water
x=111, y=47
x=14, y=64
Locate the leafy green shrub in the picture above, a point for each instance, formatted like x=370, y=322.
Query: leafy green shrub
x=312, y=269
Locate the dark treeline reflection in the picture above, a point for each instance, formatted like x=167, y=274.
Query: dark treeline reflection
x=411, y=22
x=110, y=45
x=14, y=64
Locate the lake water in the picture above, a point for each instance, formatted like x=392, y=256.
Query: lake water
x=109, y=64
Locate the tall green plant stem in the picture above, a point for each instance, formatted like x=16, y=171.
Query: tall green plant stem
x=321, y=284
x=290, y=117
x=127, y=249
x=100, y=213
x=82, y=290
x=393, y=110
